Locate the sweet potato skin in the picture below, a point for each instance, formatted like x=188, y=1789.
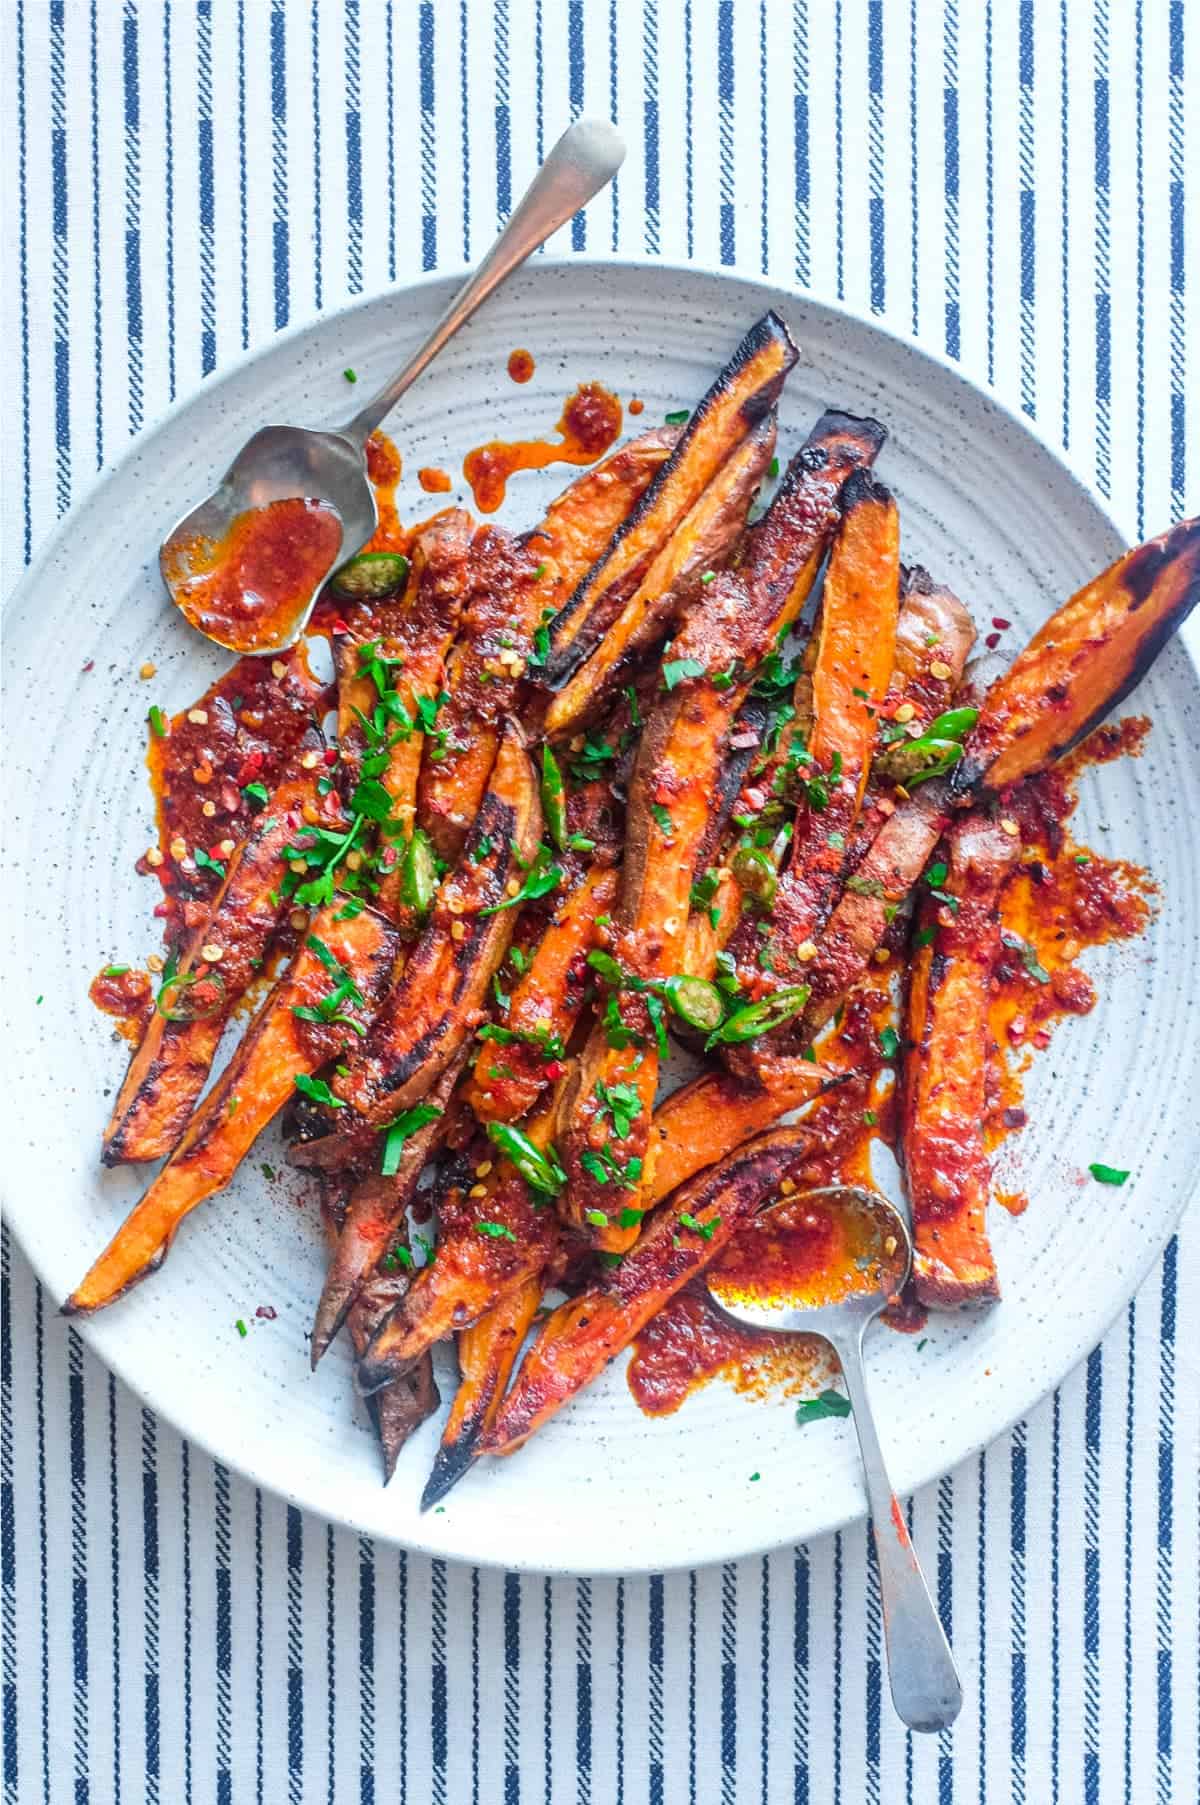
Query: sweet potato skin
x=746, y=389
x=944, y=1073
x=474, y=1268
x=487, y=1353
x=254, y=1086
x=701, y=542
x=168, y=1071
x=374, y=1212
x=1082, y=662
x=850, y=675
x=437, y=1003
x=508, y=1080
x=583, y=1335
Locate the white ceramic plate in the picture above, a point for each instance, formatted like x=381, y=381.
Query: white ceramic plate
x=985, y=505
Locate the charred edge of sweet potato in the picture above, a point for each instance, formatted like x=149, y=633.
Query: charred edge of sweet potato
x=701, y=541
x=570, y=639
x=1154, y=588
x=944, y=1075
x=751, y=719
x=715, y=1113
x=487, y=1353
x=429, y=1013
x=254, y=1086
x=583, y=1335
x=376, y=1207
x=837, y=445
x=400, y=1409
x=167, y=1072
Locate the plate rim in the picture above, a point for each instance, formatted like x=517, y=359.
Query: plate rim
x=1136, y=1270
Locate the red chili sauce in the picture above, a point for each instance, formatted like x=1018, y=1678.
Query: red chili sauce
x=1062, y=899
x=240, y=733
x=434, y=482
x=247, y=589
x=385, y=468
x=637, y=406
x=128, y=996
x=520, y=365
x=589, y=424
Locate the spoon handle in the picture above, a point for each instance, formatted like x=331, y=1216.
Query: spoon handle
x=926, y=1689
x=584, y=160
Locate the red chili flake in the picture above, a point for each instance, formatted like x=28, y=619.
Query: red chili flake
x=331, y=756
x=992, y=640
x=554, y=1069
x=214, y=852
x=251, y=765
x=1041, y=1038
x=338, y=625
x=1015, y=1118
x=162, y=909
x=998, y=620
x=90, y=664
x=267, y=1311
x=754, y=798
x=1016, y=1028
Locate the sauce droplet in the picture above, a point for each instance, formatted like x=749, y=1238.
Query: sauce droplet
x=520, y=365
x=637, y=406
x=434, y=482
x=247, y=589
x=590, y=421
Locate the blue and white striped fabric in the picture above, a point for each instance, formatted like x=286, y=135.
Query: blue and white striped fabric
x=1008, y=182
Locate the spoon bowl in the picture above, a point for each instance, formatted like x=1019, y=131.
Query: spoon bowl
x=290, y=463
x=839, y=1305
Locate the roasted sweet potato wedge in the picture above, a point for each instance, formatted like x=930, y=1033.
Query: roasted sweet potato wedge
x=702, y=542
x=347, y=959
x=168, y=1071
x=706, y=681
x=483, y=675
x=377, y=1207
x=945, y=1067
x=1082, y=662
x=746, y=390
x=522, y=1055
x=855, y=645
x=702, y=1121
x=580, y=1338
x=438, y=1002
x=404, y=1406
x=487, y=1353
x=494, y=1233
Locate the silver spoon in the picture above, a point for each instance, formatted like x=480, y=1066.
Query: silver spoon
x=283, y=462
x=926, y=1689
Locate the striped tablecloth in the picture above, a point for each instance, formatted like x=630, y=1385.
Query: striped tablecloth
x=1008, y=182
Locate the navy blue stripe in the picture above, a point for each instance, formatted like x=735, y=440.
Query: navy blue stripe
x=223, y=1643
x=390, y=148
x=429, y=242
x=79, y=1582
x=615, y=185
x=475, y=1686
x=583, y=1690
x=1018, y=1507
x=402, y=1701
x=115, y=1587
x=8, y=1545
x=464, y=90
x=1140, y=289
x=512, y=1689
x=840, y=214
x=331, y=1665
x=725, y=118
x=872, y=1666
x=1103, y=307
x=837, y=1670
x=186, y=1500
x=1175, y=119
x=575, y=96
x=1164, y=1615
x=764, y=247
x=990, y=186
x=23, y=265
x=61, y=302
x=651, y=196
x=875, y=152
x=801, y=1790
x=318, y=256
x=547, y=1691
x=366, y=1671
x=150, y=1602
x=258, y=1648
x=620, y=1691
x=953, y=339
x=1065, y=208
x=764, y=1651
x=1055, y=1618
x=134, y=324
x=97, y=304
x=691, y=1689
x=437, y=1720
x=206, y=194
x=503, y=113
x=279, y=225
x=914, y=196
x=689, y=183
x=169, y=175
x=242, y=214
x=1028, y=206
x=655, y=1645
x=945, y=1604
x=354, y=188
x=295, y=1655
x=801, y=175
x=1091, y=1578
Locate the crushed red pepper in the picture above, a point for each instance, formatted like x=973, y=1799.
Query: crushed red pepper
x=128, y=996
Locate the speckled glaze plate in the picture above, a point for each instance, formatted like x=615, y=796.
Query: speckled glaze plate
x=603, y=1489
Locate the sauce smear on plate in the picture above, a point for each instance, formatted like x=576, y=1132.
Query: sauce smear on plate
x=589, y=424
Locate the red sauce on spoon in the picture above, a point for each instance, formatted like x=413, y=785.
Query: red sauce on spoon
x=247, y=589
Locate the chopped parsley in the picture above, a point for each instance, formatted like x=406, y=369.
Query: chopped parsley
x=204, y=863
x=678, y=417
x=662, y=818
x=401, y=1130
x=605, y=1169
x=158, y=724
x=544, y=876
x=241, y=1328
x=1028, y=956
x=317, y=1091
x=495, y=1231
x=256, y=792
x=1107, y=1175
x=676, y=669
x=889, y=1043
x=622, y=1103
x=705, y=1230
x=826, y=1403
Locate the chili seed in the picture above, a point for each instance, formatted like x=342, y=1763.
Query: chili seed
x=198, y=717
x=209, y=809
x=153, y=856
x=940, y=669
x=148, y=670
x=905, y=712
x=211, y=953
x=155, y=962
x=179, y=848
x=278, y=668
